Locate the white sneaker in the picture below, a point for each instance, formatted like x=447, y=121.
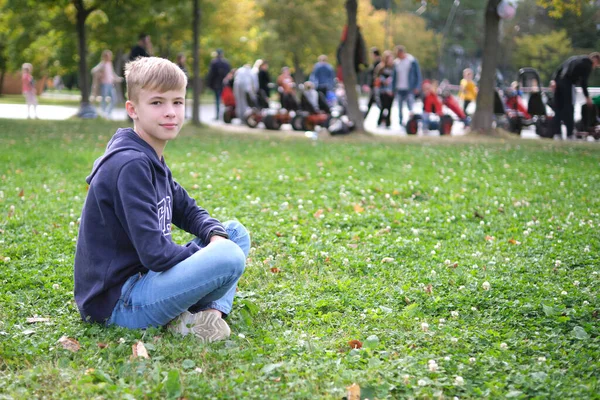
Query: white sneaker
x=205, y=325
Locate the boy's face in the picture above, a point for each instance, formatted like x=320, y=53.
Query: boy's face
x=158, y=116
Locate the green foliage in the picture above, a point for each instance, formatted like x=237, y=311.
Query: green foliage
x=557, y=8
x=446, y=218
x=545, y=52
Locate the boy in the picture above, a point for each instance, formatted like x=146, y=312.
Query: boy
x=128, y=271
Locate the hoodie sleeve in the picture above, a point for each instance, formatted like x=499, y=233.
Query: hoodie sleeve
x=188, y=216
x=136, y=208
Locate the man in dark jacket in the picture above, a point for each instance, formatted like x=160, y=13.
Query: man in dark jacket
x=371, y=77
x=143, y=48
x=575, y=71
x=219, y=68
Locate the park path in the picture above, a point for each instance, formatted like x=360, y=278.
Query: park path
x=207, y=116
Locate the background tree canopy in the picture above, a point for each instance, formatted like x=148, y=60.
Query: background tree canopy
x=296, y=33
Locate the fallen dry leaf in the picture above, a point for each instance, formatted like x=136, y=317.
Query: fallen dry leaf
x=278, y=234
x=21, y=193
x=102, y=345
x=406, y=300
x=139, y=350
x=489, y=238
x=358, y=208
x=355, y=344
x=429, y=289
x=353, y=392
x=384, y=231
x=28, y=332
x=275, y=270
x=318, y=213
x=387, y=260
x=70, y=344
x=37, y=319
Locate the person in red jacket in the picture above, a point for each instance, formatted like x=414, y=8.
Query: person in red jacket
x=431, y=102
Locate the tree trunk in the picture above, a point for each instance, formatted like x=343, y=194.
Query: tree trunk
x=196, y=66
x=484, y=115
x=348, y=71
x=298, y=72
x=86, y=110
x=2, y=73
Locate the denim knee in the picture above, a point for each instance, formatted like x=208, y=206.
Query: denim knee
x=232, y=258
x=239, y=235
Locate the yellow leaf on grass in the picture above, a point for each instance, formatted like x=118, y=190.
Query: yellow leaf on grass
x=139, y=350
x=358, y=208
x=70, y=344
x=353, y=392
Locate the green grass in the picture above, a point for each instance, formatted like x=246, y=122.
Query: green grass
x=520, y=215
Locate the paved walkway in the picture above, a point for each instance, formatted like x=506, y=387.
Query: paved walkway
x=207, y=116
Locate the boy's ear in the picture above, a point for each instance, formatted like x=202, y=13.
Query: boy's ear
x=130, y=108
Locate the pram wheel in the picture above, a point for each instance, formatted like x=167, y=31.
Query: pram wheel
x=297, y=122
x=272, y=123
x=228, y=115
x=543, y=128
x=412, y=127
x=515, y=125
x=250, y=119
x=446, y=125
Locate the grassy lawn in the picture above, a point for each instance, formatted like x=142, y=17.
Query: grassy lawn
x=389, y=244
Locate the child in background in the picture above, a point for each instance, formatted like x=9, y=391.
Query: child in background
x=29, y=89
x=468, y=89
x=431, y=102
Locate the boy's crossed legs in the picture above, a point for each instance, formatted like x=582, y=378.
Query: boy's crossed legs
x=206, y=281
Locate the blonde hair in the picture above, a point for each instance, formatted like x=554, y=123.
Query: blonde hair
x=107, y=53
x=153, y=73
x=28, y=67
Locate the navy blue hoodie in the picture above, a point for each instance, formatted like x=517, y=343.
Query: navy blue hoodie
x=126, y=223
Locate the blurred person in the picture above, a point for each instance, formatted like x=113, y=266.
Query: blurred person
x=468, y=89
x=407, y=79
x=28, y=89
x=218, y=70
x=105, y=77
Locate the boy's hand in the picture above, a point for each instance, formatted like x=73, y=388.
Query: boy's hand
x=214, y=238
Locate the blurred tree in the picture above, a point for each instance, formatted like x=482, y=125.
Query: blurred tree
x=543, y=52
x=302, y=30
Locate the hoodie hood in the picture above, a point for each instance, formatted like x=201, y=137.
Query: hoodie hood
x=125, y=139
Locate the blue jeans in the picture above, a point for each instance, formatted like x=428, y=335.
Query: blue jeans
x=108, y=90
x=409, y=97
x=207, y=279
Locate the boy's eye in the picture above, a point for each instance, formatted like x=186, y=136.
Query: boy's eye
x=178, y=102
x=155, y=102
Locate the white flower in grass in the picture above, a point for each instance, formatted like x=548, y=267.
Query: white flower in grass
x=432, y=366
x=472, y=360
x=503, y=346
x=542, y=359
x=576, y=283
x=442, y=320
x=56, y=286
x=586, y=249
x=424, y=326
x=447, y=262
x=433, y=273
x=459, y=381
x=586, y=303
x=486, y=285
x=454, y=340
x=447, y=358
x=454, y=314
x=557, y=263
x=564, y=293
x=473, y=308
x=422, y=382
x=461, y=288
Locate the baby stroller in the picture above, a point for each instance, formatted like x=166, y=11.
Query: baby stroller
x=229, y=102
x=534, y=113
x=314, y=110
x=433, y=117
